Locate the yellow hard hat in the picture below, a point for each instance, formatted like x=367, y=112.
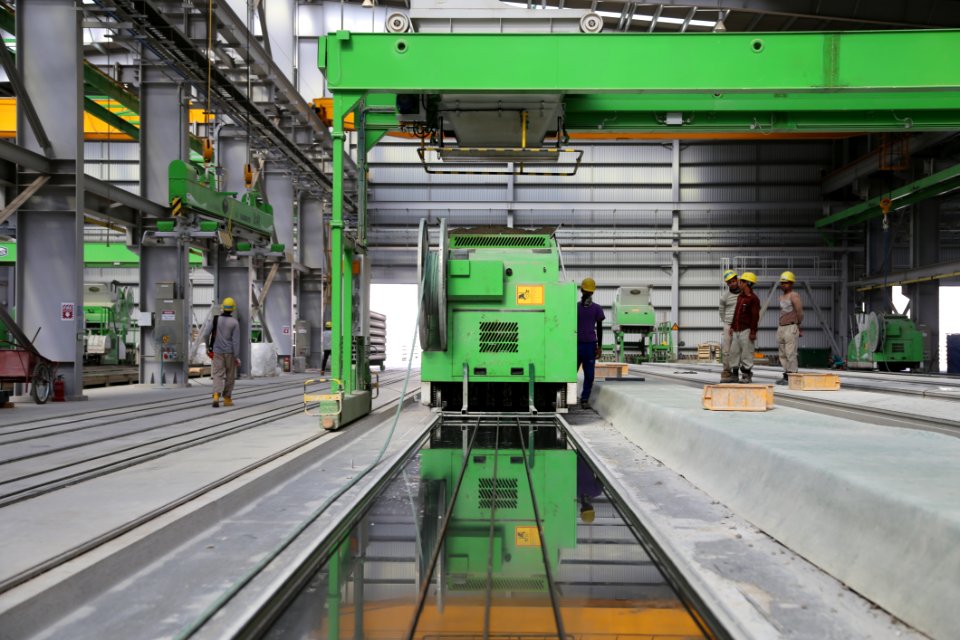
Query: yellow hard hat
x=729, y=275
x=328, y=325
x=587, y=514
x=588, y=285
x=228, y=304
x=787, y=276
x=750, y=277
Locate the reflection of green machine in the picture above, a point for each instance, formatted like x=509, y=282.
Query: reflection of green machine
x=496, y=321
x=106, y=312
x=517, y=556
x=889, y=342
x=634, y=318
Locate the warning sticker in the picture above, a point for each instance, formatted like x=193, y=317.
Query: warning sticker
x=67, y=311
x=527, y=537
x=530, y=294
x=168, y=315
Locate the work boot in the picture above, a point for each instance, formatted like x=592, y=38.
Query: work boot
x=726, y=376
x=784, y=381
x=584, y=404
x=746, y=376
x=227, y=402
x=216, y=400
x=734, y=375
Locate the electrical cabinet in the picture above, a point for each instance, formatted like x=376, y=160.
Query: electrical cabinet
x=169, y=321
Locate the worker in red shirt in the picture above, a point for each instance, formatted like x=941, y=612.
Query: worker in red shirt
x=743, y=329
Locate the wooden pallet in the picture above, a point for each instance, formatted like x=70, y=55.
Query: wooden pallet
x=814, y=381
x=708, y=351
x=604, y=370
x=738, y=397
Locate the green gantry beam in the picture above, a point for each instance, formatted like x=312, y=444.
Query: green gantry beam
x=852, y=82
x=932, y=186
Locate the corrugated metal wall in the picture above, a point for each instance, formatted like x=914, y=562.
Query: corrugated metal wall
x=719, y=223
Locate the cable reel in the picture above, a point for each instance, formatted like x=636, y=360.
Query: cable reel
x=432, y=279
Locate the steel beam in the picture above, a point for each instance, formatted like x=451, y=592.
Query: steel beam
x=417, y=206
x=24, y=102
x=940, y=183
x=821, y=67
x=870, y=163
x=929, y=273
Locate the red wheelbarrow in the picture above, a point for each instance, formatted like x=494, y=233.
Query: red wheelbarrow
x=21, y=362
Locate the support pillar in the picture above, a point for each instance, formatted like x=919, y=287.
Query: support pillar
x=675, y=256
x=163, y=138
x=311, y=299
x=925, y=296
x=49, y=284
x=278, y=307
x=234, y=276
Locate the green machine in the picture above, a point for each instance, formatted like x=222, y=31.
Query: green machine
x=517, y=559
x=497, y=326
x=885, y=341
x=107, y=312
x=190, y=187
x=634, y=318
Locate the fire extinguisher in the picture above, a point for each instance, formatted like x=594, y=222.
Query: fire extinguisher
x=59, y=390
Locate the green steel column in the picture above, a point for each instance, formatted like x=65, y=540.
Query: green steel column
x=336, y=241
x=341, y=280
x=349, y=380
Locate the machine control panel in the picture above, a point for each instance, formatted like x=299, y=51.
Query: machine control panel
x=169, y=322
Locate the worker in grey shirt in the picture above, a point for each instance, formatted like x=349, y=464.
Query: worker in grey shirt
x=789, y=329
x=224, y=341
x=728, y=303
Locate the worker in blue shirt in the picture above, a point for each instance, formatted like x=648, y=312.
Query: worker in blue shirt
x=589, y=337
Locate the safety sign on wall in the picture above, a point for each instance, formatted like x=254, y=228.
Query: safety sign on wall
x=67, y=311
x=168, y=315
x=530, y=294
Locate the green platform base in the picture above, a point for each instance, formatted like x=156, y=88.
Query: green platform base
x=355, y=406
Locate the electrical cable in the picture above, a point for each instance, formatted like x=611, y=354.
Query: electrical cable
x=212, y=609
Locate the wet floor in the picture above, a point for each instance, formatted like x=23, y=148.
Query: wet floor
x=580, y=572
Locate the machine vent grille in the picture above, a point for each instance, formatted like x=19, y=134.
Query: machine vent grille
x=898, y=347
x=506, y=493
x=499, y=337
x=479, y=583
x=477, y=242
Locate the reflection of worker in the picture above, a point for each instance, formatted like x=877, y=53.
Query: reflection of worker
x=225, y=337
x=326, y=339
x=588, y=488
x=728, y=302
x=743, y=330
x=789, y=331
x=589, y=337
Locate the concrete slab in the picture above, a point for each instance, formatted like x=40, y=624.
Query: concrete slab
x=876, y=507
x=756, y=587
x=119, y=520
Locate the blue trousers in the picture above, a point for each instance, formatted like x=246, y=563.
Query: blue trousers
x=587, y=358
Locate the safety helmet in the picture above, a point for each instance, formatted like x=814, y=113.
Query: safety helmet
x=750, y=277
x=787, y=276
x=588, y=285
x=228, y=304
x=328, y=325
x=587, y=513
x=729, y=275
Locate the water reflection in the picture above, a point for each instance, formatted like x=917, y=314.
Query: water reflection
x=605, y=583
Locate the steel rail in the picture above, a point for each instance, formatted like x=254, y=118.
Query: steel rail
x=438, y=549
x=55, y=484
x=488, y=599
x=551, y=585
x=186, y=399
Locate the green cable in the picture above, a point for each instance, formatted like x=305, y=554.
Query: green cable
x=213, y=608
